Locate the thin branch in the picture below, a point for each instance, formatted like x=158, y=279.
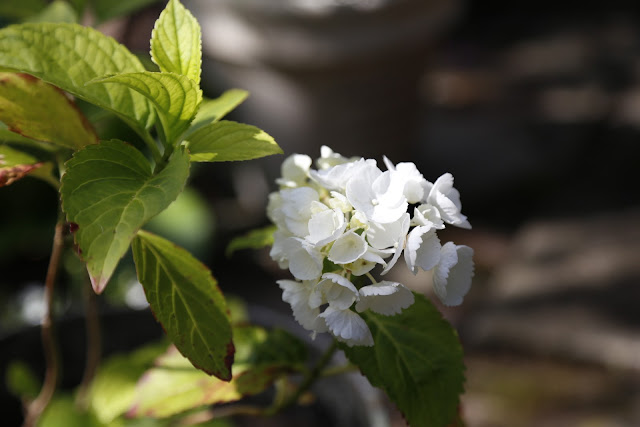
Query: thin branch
x=94, y=345
x=38, y=405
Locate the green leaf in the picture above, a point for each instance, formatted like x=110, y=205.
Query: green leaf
x=63, y=412
x=212, y=110
x=57, y=11
x=173, y=386
x=109, y=191
x=109, y=9
x=416, y=360
x=21, y=380
x=20, y=9
x=68, y=56
x=40, y=111
x=186, y=300
x=15, y=165
x=176, y=97
x=175, y=42
x=254, y=239
x=226, y=141
x=113, y=390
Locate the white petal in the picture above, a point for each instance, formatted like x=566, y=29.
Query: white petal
x=338, y=291
x=294, y=171
x=297, y=295
x=305, y=261
x=382, y=236
x=347, y=248
x=296, y=205
x=452, y=276
x=348, y=327
x=386, y=298
x=422, y=249
x=427, y=215
x=325, y=226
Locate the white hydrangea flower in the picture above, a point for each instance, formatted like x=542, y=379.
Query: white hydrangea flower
x=452, y=276
x=297, y=294
x=443, y=196
x=294, y=171
x=347, y=326
x=387, y=298
x=348, y=217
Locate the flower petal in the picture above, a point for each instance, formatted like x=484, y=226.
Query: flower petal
x=452, y=276
x=297, y=295
x=337, y=290
x=422, y=249
x=347, y=248
x=347, y=326
x=386, y=298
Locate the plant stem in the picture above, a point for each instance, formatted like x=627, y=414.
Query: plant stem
x=38, y=405
x=153, y=147
x=307, y=382
x=94, y=345
x=339, y=370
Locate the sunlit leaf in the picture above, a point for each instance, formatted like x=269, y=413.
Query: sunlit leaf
x=63, y=412
x=226, y=141
x=109, y=191
x=186, y=300
x=212, y=110
x=417, y=360
x=15, y=165
x=175, y=42
x=40, y=111
x=176, y=97
x=70, y=55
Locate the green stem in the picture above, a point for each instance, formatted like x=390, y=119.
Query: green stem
x=339, y=370
x=94, y=345
x=153, y=147
x=307, y=382
x=38, y=405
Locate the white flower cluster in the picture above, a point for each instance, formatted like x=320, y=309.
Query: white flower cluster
x=342, y=220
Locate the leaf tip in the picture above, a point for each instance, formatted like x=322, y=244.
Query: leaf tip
x=98, y=283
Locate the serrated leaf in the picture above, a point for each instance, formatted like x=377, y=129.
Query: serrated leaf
x=186, y=300
x=171, y=386
x=254, y=239
x=176, y=97
x=212, y=110
x=227, y=141
x=68, y=56
x=40, y=111
x=113, y=389
x=15, y=165
x=109, y=191
x=417, y=360
x=175, y=42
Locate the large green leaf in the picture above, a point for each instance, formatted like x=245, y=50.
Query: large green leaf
x=186, y=300
x=68, y=56
x=417, y=360
x=176, y=97
x=109, y=191
x=40, y=111
x=171, y=387
x=226, y=141
x=175, y=42
x=212, y=110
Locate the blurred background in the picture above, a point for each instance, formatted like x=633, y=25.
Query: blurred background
x=533, y=106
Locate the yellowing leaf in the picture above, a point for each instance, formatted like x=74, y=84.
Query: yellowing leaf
x=40, y=111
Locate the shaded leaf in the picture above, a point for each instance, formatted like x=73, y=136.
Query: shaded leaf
x=254, y=239
x=70, y=55
x=186, y=300
x=20, y=9
x=15, y=165
x=226, y=141
x=416, y=360
x=175, y=42
x=109, y=191
x=56, y=11
x=109, y=9
x=21, y=381
x=173, y=386
x=212, y=110
x=113, y=389
x=40, y=111
x=176, y=97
